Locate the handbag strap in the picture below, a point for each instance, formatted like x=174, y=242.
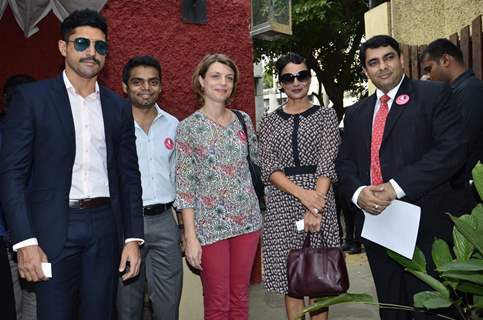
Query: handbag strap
x=244, y=126
x=307, y=241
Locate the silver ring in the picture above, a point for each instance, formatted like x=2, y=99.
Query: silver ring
x=376, y=206
x=316, y=210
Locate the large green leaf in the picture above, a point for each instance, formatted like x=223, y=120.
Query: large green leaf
x=477, y=173
x=469, y=265
x=478, y=302
x=432, y=282
x=477, y=214
x=469, y=287
x=470, y=233
x=431, y=300
x=478, y=305
x=463, y=249
x=475, y=277
x=418, y=263
x=440, y=252
x=324, y=302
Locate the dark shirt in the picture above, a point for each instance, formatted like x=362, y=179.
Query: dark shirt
x=468, y=92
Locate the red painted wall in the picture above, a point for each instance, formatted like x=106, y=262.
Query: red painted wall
x=145, y=27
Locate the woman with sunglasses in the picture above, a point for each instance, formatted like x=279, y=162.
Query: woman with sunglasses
x=298, y=146
x=219, y=205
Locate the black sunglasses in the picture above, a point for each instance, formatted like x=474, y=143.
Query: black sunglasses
x=288, y=78
x=81, y=44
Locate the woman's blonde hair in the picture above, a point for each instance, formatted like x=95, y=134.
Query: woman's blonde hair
x=203, y=66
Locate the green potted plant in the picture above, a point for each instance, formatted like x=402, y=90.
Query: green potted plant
x=459, y=280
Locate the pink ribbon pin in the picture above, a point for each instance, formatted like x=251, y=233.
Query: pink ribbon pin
x=168, y=143
x=402, y=99
x=242, y=135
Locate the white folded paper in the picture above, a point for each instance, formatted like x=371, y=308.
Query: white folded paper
x=395, y=228
x=300, y=225
x=47, y=269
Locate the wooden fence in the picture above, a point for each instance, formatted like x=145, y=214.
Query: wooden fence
x=470, y=44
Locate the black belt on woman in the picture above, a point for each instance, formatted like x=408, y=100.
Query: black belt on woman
x=292, y=171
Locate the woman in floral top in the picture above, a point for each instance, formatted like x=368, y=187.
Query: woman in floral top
x=214, y=191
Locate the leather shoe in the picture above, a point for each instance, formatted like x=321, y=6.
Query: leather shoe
x=347, y=246
x=355, y=248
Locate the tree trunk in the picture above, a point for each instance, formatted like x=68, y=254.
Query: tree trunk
x=336, y=95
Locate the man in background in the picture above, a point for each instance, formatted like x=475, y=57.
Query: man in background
x=24, y=292
x=443, y=61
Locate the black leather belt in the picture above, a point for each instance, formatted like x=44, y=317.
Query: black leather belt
x=292, y=171
x=154, y=209
x=89, y=203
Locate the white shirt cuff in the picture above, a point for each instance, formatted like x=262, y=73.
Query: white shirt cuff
x=141, y=241
x=25, y=243
x=399, y=191
x=355, y=196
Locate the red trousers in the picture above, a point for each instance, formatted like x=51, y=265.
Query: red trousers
x=227, y=265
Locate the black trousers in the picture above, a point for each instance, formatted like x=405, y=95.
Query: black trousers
x=394, y=285
x=84, y=274
x=7, y=300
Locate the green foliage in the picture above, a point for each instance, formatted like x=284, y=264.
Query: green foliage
x=342, y=298
x=328, y=34
x=267, y=79
x=478, y=178
x=418, y=263
x=469, y=265
x=459, y=280
x=472, y=234
x=440, y=253
x=463, y=249
x=431, y=300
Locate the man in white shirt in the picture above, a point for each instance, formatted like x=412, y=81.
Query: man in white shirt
x=73, y=141
x=155, y=137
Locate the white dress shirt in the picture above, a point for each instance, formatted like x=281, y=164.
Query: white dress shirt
x=156, y=158
x=392, y=94
x=89, y=173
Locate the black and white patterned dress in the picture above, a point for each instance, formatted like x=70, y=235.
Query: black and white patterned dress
x=304, y=146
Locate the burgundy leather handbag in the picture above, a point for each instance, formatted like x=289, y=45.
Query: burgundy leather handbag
x=316, y=272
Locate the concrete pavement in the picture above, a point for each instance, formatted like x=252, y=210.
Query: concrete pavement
x=270, y=306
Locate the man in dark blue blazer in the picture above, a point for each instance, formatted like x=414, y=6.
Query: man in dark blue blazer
x=6, y=289
x=74, y=141
x=405, y=142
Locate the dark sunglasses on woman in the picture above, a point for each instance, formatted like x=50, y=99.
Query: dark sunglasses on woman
x=81, y=44
x=288, y=78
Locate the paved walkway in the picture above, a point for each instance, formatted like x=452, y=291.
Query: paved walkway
x=265, y=306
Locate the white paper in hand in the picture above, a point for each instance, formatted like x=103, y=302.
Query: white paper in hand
x=396, y=228
x=300, y=225
x=47, y=269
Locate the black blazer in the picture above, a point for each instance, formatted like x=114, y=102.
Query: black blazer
x=422, y=145
x=39, y=150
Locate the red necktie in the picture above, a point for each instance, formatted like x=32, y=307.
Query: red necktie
x=377, y=134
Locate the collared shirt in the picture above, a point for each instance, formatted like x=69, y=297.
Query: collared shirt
x=89, y=174
x=156, y=158
x=392, y=94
